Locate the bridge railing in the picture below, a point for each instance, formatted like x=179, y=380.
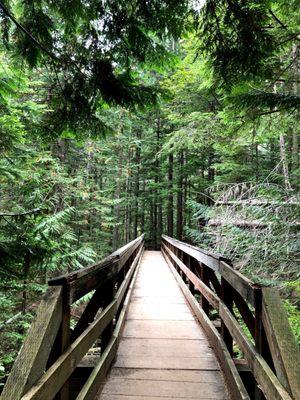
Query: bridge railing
x=52, y=350
x=238, y=314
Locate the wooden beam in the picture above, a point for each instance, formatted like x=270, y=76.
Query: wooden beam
x=55, y=377
x=83, y=281
x=33, y=356
x=264, y=376
x=218, y=264
x=95, y=380
x=211, y=297
x=282, y=342
x=231, y=375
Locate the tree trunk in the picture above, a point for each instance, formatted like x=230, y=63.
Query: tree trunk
x=180, y=197
x=117, y=207
x=170, y=212
x=283, y=158
x=136, y=189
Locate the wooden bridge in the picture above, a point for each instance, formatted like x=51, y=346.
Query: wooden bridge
x=175, y=324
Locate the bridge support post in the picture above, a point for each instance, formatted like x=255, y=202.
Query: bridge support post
x=226, y=296
x=63, y=340
x=108, y=296
x=205, y=279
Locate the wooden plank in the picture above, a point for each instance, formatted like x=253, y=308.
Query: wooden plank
x=164, y=348
x=125, y=255
x=226, y=296
x=88, y=314
x=201, y=286
x=266, y=379
x=145, y=388
x=83, y=281
x=164, y=312
x=209, y=260
x=172, y=375
x=81, y=273
x=218, y=264
x=231, y=375
x=122, y=289
x=245, y=312
x=93, y=383
x=163, y=329
x=240, y=283
x=160, y=362
x=54, y=378
x=96, y=278
x=33, y=356
x=283, y=346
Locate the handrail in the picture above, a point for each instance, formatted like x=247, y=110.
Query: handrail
x=272, y=358
x=52, y=350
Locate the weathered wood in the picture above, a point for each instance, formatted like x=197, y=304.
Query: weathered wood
x=88, y=314
x=98, y=278
x=266, y=379
x=83, y=281
x=211, y=260
x=55, y=377
x=205, y=279
x=226, y=296
x=245, y=312
x=218, y=264
x=283, y=346
x=202, y=287
x=240, y=283
x=122, y=289
x=94, y=381
x=33, y=356
x=64, y=339
x=231, y=375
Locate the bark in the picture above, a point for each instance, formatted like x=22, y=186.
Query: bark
x=127, y=207
x=170, y=212
x=136, y=190
x=117, y=207
x=283, y=158
x=143, y=208
x=180, y=197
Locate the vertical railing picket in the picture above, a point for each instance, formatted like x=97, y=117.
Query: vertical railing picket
x=226, y=296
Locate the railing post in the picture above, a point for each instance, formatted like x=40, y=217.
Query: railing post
x=108, y=294
x=226, y=296
x=205, y=279
x=63, y=339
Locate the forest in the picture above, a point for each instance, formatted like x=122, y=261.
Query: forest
x=125, y=117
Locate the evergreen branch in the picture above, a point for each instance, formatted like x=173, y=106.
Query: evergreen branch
x=34, y=40
x=28, y=34
x=278, y=20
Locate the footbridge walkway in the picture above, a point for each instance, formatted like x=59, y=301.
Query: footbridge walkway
x=180, y=323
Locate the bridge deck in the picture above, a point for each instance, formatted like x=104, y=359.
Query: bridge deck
x=163, y=352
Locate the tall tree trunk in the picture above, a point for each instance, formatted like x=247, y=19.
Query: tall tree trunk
x=180, y=197
x=157, y=201
x=170, y=212
x=137, y=188
x=151, y=223
x=295, y=129
x=143, y=208
x=127, y=206
x=283, y=158
x=117, y=208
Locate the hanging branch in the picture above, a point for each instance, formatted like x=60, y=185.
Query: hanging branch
x=18, y=214
x=34, y=40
